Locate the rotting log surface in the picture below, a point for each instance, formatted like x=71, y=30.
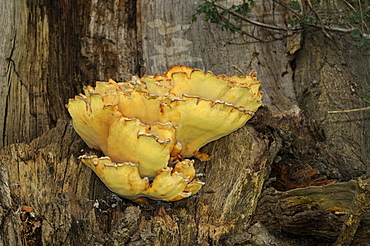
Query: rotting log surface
x=56, y=199
x=313, y=212
x=51, y=198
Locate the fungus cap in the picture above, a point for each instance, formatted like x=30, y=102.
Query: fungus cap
x=148, y=126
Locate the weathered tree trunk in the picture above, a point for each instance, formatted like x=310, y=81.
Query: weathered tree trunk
x=47, y=197
x=331, y=74
x=39, y=41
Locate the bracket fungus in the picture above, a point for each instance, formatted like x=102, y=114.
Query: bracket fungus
x=149, y=127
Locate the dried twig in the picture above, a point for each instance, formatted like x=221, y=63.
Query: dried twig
x=348, y=110
x=257, y=23
x=287, y=7
x=240, y=31
x=237, y=68
x=294, y=29
x=318, y=16
x=362, y=21
x=349, y=5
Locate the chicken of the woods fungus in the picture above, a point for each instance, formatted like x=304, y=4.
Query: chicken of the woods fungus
x=149, y=127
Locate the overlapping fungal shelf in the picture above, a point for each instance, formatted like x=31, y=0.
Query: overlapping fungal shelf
x=149, y=127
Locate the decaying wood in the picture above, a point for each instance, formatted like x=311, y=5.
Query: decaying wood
x=71, y=205
x=359, y=210
x=10, y=223
x=330, y=76
x=52, y=48
x=53, y=198
x=315, y=212
x=301, y=198
x=37, y=72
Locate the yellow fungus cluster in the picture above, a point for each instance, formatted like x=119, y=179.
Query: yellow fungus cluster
x=148, y=127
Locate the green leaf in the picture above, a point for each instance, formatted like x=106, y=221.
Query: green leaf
x=366, y=12
x=293, y=22
x=356, y=16
x=309, y=23
x=313, y=17
x=295, y=5
x=367, y=95
x=356, y=34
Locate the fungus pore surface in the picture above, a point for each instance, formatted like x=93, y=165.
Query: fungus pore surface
x=149, y=127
